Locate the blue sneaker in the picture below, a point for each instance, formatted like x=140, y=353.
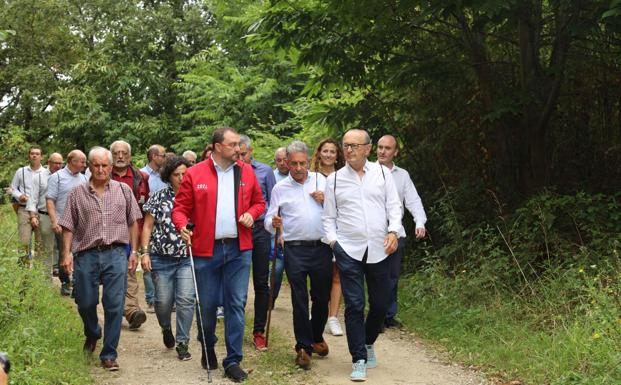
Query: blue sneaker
x=359, y=371
x=371, y=359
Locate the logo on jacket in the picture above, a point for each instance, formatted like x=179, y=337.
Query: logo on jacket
x=201, y=186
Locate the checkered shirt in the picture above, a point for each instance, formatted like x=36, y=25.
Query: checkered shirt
x=96, y=221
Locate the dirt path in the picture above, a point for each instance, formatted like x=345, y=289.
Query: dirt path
x=401, y=358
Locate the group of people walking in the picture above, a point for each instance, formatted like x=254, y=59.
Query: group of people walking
x=198, y=228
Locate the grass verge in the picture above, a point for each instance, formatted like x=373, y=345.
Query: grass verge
x=40, y=330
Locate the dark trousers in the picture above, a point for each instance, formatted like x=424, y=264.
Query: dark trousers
x=62, y=274
x=261, y=245
x=302, y=263
x=395, y=270
x=353, y=274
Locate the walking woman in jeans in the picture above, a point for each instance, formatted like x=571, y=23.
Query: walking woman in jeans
x=164, y=255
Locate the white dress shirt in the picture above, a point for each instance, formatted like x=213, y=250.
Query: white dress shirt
x=301, y=214
x=155, y=180
x=39, y=188
x=226, y=222
x=409, y=197
x=360, y=212
x=23, y=182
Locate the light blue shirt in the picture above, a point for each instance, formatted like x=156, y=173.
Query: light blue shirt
x=226, y=221
x=60, y=184
x=155, y=181
x=278, y=176
x=301, y=214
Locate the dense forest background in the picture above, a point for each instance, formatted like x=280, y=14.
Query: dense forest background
x=507, y=111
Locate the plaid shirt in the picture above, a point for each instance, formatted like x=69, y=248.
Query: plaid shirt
x=96, y=221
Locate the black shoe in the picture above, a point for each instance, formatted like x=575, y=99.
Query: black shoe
x=392, y=323
x=137, y=319
x=211, y=356
x=90, y=344
x=235, y=373
x=168, y=338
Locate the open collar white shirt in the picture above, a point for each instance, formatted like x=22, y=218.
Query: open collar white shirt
x=226, y=221
x=36, y=202
x=23, y=182
x=360, y=211
x=409, y=197
x=301, y=214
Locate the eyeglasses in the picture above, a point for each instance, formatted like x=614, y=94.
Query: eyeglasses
x=353, y=146
x=231, y=145
x=56, y=162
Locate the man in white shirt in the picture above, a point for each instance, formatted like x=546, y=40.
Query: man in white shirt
x=387, y=149
x=156, y=156
x=362, y=220
x=297, y=204
x=22, y=191
x=280, y=159
x=58, y=188
x=37, y=210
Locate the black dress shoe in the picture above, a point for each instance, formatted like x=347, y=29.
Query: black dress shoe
x=235, y=373
x=90, y=344
x=392, y=323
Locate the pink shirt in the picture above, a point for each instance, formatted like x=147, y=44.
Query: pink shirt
x=96, y=221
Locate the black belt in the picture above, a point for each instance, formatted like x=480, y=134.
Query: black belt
x=107, y=247
x=42, y=212
x=304, y=243
x=226, y=241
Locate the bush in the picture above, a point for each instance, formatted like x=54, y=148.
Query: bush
x=535, y=296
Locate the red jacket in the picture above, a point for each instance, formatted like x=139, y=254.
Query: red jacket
x=197, y=198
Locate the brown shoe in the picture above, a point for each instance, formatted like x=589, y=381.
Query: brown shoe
x=321, y=348
x=110, y=365
x=90, y=344
x=303, y=360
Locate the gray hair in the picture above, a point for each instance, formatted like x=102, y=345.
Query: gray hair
x=189, y=152
x=119, y=143
x=297, y=146
x=244, y=139
x=99, y=151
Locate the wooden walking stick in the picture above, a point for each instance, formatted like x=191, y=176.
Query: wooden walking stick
x=270, y=302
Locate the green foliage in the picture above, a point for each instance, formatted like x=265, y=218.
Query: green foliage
x=536, y=298
x=41, y=332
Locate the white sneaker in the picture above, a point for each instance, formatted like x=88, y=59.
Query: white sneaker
x=335, y=326
x=220, y=312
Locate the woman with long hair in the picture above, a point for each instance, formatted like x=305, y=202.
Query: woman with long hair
x=328, y=158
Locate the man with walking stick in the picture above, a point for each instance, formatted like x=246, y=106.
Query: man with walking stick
x=300, y=199
x=222, y=198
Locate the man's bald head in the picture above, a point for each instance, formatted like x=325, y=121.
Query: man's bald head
x=387, y=149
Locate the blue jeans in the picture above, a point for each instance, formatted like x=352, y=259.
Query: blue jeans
x=395, y=270
x=280, y=268
x=109, y=266
x=172, y=278
x=261, y=240
x=227, y=273
x=353, y=274
x=303, y=263
x=149, y=288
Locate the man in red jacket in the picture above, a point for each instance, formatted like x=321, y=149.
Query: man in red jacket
x=222, y=197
